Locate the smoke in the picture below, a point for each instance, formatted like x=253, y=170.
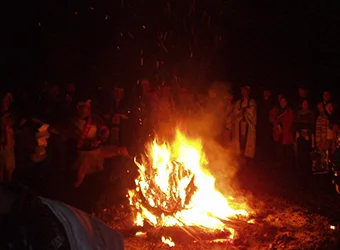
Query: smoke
x=208, y=124
x=223, y=163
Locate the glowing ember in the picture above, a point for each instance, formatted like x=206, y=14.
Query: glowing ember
x=168, y=241
x=174, y=189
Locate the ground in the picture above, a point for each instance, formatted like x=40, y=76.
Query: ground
x=291, y=212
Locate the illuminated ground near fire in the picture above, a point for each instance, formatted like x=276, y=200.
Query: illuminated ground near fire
x=164, y=198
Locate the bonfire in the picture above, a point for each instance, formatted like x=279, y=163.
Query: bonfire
x=174, y=189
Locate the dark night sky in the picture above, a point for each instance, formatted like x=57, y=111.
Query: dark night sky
x=270, y=42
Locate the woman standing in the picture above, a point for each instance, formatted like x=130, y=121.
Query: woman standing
x=282, y=117
x=304, y=135
x=325, y=132
x=245, y=113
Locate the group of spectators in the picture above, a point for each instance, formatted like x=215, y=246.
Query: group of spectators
x=62, y=128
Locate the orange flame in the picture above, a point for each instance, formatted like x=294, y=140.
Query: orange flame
x=174, y=189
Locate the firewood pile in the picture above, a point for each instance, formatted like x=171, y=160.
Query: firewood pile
x=276, y=224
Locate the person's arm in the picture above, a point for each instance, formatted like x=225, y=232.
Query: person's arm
x=238, y=112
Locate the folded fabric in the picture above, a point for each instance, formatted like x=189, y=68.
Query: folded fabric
x=83, y=230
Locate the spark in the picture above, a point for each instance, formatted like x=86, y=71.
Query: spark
x=131, y=35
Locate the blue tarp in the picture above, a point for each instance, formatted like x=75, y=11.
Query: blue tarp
x=83, y=230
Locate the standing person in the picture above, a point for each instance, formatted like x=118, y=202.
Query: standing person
x=7, y=157
x=88, y=133
x=119, y=115
x=283, y=132
x=245, y=113
x=265, y=145
x=325, y=133
x=304, y=135
x=326, y=97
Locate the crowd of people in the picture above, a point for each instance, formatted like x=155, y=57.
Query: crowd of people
x=60, y=127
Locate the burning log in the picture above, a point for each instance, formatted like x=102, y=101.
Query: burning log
x=181, y=235
x=178, y=203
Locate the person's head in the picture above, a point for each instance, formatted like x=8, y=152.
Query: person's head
x=245, y=91
x=283, y=102
x=266, y=94
x=326, y=96
x=329, y=107
x=305, y=104
x=303, y=92
x=84, y=109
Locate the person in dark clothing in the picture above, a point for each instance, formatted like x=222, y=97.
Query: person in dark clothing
x=282, y=118
x=265, y=145
x=304, y=134
x=119, y=117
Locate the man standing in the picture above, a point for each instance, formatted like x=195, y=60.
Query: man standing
x=245, y=124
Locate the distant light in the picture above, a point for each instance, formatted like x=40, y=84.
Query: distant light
x=332, y=227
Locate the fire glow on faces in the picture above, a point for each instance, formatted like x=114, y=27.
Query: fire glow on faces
x=175, y=189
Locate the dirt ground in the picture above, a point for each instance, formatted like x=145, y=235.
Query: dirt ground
x=290, y=212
